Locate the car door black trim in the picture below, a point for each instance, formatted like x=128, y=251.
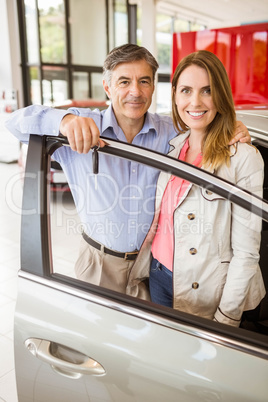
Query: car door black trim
x=35, y=241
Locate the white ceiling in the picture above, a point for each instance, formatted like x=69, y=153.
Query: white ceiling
x=217, y=13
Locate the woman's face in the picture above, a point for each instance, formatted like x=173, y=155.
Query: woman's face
x=193, y=99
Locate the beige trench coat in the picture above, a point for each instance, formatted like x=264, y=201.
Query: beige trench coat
x=216, y=249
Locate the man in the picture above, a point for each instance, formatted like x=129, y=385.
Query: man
x=116, y=213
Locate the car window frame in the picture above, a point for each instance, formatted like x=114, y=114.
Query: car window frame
x=37, y=264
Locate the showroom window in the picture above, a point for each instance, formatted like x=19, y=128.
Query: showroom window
x=166, y=25
x=61, y=53
x=60, y=47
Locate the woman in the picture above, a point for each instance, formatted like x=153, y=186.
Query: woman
x=205, y=249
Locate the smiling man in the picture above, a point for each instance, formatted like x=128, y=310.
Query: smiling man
x=131, y=89
x=124, y=197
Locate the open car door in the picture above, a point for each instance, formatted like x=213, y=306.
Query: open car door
x=78, y=342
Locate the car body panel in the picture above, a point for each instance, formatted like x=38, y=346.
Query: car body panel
x=144, y=360
x=256, y=121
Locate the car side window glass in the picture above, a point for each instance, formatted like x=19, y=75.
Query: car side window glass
x=65, y=231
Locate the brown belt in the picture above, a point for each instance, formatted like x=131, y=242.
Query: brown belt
x=126, y=256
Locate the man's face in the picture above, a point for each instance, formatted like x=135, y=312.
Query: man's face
x=131, y=91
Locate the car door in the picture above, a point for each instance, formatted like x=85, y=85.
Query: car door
x=74, y=341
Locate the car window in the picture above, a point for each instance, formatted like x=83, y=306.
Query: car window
x=61, y=236
x=66, y=230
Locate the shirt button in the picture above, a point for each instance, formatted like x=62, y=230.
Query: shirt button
x=193, y=251
x=133, y=170
x=195, y=285
x=191, y=216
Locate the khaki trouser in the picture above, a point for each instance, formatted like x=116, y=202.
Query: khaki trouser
x=96, y=267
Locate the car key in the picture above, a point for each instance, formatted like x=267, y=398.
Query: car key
x=95, y=164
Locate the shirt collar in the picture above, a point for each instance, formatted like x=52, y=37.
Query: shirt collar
x=109, y=122
x=149, y=124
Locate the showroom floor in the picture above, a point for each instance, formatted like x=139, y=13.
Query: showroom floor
x=10, y=204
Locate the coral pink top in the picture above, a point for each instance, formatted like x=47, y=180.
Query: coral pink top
x=163, y=243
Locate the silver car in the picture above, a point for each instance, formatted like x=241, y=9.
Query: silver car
x=76, y=342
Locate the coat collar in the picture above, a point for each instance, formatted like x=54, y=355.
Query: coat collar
x=177, y=143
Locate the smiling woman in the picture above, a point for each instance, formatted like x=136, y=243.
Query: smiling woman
x=210, y=94
x=213, y=274
x=195, y=106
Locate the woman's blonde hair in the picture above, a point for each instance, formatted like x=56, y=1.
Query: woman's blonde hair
x=221, y=130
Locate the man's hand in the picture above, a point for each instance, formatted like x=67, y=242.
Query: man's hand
x=241, y=134
x=82, y=133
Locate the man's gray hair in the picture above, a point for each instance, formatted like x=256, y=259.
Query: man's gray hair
x=126, y=54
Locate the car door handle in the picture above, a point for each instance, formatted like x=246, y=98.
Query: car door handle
x=62, y=359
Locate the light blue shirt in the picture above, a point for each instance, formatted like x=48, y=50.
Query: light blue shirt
x=119, y=212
